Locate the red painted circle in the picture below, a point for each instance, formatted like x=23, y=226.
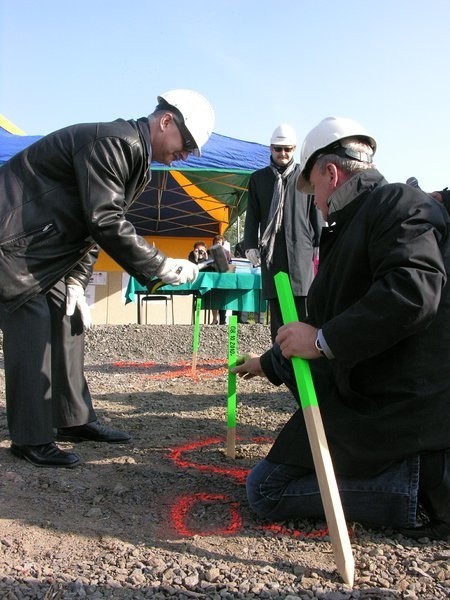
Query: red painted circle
x=180, y=511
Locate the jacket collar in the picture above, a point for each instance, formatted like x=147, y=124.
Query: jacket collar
x=363, y=181
x=145, y=132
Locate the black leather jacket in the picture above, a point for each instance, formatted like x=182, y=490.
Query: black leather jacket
x=66, y=195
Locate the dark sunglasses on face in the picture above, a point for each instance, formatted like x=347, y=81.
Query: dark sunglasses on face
x=283, y=148
x=188, y=143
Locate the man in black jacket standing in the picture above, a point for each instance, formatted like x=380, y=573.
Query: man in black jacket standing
x=62, y=199
x=378, y=340
x=282, y=225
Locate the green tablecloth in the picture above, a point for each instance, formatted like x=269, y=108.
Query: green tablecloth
x=231, y=291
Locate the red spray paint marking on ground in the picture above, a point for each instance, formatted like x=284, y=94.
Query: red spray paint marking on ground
x=237, y=473
x=184, y=505
x=277, y=529
x=180, y=511
x=210, y=369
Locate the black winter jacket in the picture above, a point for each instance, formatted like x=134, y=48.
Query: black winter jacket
x=64, y=195
x=299, y=233
x=382, y=301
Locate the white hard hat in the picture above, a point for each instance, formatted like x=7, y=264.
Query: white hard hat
x=326, y=137
x=284, y=135
x=197, y=112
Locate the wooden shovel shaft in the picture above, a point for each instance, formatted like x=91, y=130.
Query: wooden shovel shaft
x=329, y=491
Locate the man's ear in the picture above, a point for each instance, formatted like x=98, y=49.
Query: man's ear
x=165, y=121
x=333, y=174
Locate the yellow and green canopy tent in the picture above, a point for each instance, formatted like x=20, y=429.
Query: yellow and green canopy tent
x=202, y=196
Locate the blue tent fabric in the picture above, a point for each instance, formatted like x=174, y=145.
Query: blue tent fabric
x=11, y=144
x=220, y=152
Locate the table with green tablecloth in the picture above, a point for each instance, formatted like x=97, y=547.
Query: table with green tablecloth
x=239, y=291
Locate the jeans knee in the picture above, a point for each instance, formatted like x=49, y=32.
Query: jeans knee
x=257, y=500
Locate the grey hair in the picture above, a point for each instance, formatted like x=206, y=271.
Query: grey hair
x=346, y=164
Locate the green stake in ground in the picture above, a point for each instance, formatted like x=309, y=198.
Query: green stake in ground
x=329, y=491
x=231, y=400
x=198, y=307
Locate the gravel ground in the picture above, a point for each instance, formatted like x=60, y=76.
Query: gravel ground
x=166, y=516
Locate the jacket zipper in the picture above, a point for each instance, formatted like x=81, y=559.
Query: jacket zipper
x=42, y=229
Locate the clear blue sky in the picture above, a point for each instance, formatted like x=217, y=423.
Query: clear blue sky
x=260, y=62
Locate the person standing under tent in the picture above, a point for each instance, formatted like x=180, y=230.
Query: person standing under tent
x=219, y=316
x=282, y=225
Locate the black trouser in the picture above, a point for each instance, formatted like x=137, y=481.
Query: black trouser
x=44, y=360
x=276, y=320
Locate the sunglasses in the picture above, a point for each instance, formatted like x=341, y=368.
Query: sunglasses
x=283, y=148
x=188, y=143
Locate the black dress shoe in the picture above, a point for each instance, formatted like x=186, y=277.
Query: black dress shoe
x=92, y=432
x=46, y=455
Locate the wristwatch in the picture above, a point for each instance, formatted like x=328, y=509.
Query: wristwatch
x=319, y=347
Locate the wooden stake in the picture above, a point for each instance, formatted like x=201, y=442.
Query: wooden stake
x=329, y=491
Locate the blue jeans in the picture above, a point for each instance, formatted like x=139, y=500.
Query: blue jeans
x=278, y=492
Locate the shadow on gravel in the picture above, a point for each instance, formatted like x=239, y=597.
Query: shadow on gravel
x=173, y=481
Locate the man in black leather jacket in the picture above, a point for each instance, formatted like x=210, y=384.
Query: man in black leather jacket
x=62, y=199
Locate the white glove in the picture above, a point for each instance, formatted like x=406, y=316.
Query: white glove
x=75, y=298
x=177, y=271
x=253, y=256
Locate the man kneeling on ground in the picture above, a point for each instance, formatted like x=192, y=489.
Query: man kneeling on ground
x=378, y=340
